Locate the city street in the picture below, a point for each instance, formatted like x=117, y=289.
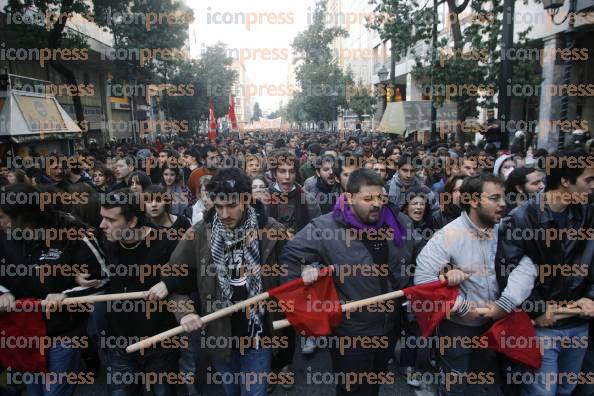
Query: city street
x=304, y=367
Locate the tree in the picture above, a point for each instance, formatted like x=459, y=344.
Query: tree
x=257, y=113
x=471, y=79
x=210, y=77
x=170, y=33
x=50, y=33
x=323, y=85
x=362, y=102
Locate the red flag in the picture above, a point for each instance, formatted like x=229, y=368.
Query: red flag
x=312, y=310
x=231, y=113
x=515, y=337
x=22, y=335
x=212, y=130
x=431, y=302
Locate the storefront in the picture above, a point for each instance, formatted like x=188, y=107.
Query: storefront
x=33, y=121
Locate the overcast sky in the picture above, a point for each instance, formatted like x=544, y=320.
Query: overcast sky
x=265, y=43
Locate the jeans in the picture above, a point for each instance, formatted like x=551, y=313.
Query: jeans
x=254, y=366
x=123, y=376
x=458, y=361
x=558, y=360
x=60, y=359
x=355, y=362
x=97, y=328
x=187, y=363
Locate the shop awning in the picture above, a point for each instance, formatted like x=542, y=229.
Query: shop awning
x=30, y=116
x=409, y=116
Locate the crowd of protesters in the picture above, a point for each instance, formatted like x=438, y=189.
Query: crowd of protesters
x=173, y=220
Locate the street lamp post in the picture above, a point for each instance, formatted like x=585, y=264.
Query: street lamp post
x=382, y=74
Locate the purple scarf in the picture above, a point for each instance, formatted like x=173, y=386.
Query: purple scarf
x=386, y=218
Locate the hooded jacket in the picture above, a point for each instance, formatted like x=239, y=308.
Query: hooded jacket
x=540, y=270
x=397, y=193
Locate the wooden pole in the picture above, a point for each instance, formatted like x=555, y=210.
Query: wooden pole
x=152, y=341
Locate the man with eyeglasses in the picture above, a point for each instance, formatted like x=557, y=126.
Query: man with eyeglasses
x=364, y=238
x=232, y=255
x=467, y=245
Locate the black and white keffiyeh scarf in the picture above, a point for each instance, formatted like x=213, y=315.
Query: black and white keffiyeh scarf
x=223, y=242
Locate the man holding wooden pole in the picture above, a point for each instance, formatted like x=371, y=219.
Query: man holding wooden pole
x=39, y=262
x=233, y=256
x=364, y=238
x=136, y=257
x=551, y=229
x=468, y=245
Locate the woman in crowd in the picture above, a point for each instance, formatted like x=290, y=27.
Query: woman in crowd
x=14, y=176
x=503, y=166
x=138, y=181
x=182, y=198
x=260, y=189
x=158, y=209
x=449, y=201
x=203, y=203
x=415, y=360
x=103, y=177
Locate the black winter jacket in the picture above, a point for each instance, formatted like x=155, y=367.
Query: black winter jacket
x=565, y=264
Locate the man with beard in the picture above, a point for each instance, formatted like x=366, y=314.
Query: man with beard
x=367, y=148
x=469, y=243
x=521, y=184
x=368, y=234
x=323, y=186
x=563, y=215
x=229, y=255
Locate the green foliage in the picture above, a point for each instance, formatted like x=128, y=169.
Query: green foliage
x=142, y=34
x=361, y=102
x=472, y=81
x=209, y=77
x=404, y=22
x=323, y=85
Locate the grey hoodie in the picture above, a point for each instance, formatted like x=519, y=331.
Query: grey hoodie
x=397, y=193
x=466, y=247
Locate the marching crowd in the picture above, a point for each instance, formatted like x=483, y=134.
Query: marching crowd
x=176, y=220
